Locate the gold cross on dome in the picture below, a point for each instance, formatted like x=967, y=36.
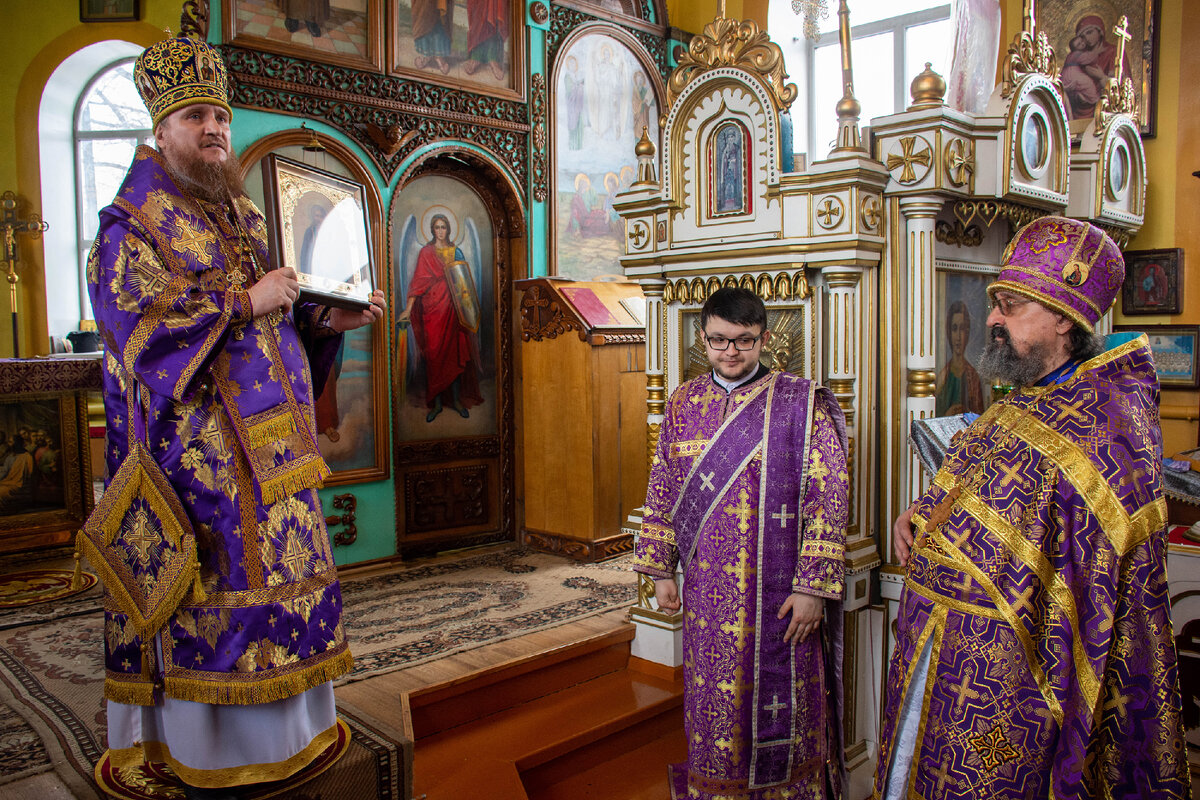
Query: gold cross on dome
x=1121, y=31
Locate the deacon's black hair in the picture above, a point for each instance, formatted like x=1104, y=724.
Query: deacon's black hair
x=735, y=305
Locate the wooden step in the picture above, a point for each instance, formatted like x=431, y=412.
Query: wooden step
x=457, y=702
x=548, y=736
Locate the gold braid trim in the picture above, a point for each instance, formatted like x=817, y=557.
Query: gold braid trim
x=270, y=430
x=131, y=692
x=310, y=473
x=134, y=757
x=1124, y=531
x=1035, y=560
x=222, y=691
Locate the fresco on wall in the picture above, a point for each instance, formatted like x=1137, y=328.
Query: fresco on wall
x=454, y=41
x=444, y=353
x=603, y=98
x=336, y=31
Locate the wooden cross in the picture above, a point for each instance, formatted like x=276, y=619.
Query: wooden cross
x=741, y=630
x=775, y=707
x=706, y=481
x=964, y=691
x=741, y=570
x=1121, y=31
x=942, y=511
x=783, y=516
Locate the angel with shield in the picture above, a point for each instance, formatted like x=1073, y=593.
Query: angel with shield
x=442, y=304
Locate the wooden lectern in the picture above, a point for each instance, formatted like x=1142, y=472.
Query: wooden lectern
x=583, y=388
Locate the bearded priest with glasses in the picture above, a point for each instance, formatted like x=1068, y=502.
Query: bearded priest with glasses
x=749, y=491
x=1034, y=654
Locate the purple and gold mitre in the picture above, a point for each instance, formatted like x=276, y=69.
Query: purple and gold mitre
x=1067, y=265
x=179, y=72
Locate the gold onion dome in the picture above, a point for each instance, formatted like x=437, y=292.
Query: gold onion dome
x=928, y=88
x=644, y=147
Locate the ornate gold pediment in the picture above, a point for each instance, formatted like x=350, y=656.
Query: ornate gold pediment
x=1029, y=54
x=730, y=43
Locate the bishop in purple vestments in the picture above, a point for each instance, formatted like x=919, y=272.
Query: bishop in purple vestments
x=1034, y=654
x=223, y=615
x=748, y=490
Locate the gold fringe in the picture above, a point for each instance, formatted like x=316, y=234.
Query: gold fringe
x=294, y=480
x=199, y=596
x=145, y=626
x=131, y=692
x=148, y=660
x=226, y=693
x=270, y=430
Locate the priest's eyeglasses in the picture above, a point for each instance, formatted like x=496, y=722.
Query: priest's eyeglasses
x=721, y=343
x=1007, y=304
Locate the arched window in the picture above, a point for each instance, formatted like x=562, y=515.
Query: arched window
x=110, y=122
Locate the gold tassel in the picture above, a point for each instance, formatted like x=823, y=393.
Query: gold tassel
x=77, y=575
x=147, y=660
x=198, y=593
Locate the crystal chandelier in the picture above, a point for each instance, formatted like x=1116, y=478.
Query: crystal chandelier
x=812, y=10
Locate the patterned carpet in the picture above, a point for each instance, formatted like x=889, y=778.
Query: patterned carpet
x=51, y=673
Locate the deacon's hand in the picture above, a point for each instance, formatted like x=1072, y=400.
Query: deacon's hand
x=342, y=320
x=807, y=610
x=902, y=535
x=275, y=291
x=666, y=593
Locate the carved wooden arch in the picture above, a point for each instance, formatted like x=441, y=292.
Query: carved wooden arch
x=495, y=189
x=254, y=153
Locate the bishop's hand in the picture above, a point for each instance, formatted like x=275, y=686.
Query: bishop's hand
x=342, y=320
x=275, y=291
x=902, y=535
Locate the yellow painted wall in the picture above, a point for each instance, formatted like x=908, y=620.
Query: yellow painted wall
x=35, y=37
x=691, y=16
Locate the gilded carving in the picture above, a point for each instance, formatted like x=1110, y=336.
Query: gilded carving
x=193, y=20
x=742, y=45
x=1029, y=53
x=960, y=162
x=537, y=122
x=986, y=211
x=914, y=152
x=539, y=12
x=652, y=431
x=869, y=213
x=639, y=235
x=958, y=233
x=830, y=212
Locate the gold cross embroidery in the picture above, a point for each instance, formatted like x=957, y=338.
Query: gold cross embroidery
x=743, y=510
x=741, y=570
x=1009, y=474
x=964, y=691
x=1072, y=410
x=741, y=630
x=1022, y=601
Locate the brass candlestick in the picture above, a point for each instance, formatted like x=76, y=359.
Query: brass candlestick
x=33, y=225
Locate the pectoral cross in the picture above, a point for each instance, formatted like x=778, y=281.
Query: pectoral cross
x=942, y=511
x=1121, y=31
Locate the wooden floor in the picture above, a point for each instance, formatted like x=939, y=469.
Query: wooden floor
x=382, y=694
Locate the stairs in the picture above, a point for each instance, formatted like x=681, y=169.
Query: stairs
x=584, y=721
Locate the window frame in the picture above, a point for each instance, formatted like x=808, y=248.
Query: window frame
x=83, y=243
x=898, y=27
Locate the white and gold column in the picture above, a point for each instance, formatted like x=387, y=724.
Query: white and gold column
x=921, y=360
x=659, y=635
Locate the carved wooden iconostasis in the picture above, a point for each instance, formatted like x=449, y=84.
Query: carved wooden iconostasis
x=446, y=121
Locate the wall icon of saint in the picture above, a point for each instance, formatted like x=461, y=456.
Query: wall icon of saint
x=959, y=389
x=440, y=296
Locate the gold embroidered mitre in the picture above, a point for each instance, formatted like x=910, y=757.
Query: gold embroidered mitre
x=179, y=72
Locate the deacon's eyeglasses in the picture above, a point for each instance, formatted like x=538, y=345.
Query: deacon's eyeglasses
x=721, y=343
x=1008, y=305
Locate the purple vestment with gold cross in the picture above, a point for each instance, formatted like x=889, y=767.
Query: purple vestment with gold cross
x=749, y=490
x=224, y=406
x=1037, y=595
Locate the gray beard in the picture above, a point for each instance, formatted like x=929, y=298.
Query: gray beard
x=1001, y=362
